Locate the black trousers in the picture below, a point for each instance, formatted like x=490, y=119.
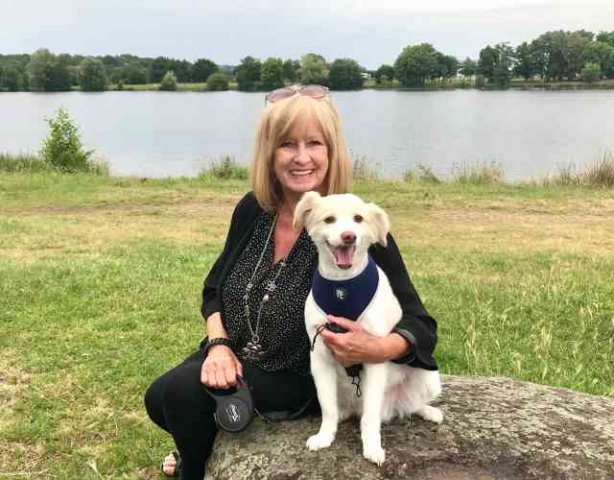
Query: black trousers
x=178, y=403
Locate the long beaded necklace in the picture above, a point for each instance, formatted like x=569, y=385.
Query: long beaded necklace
x=253, y=349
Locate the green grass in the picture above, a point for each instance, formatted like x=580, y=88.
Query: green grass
x=181, y=87
x=101, y=281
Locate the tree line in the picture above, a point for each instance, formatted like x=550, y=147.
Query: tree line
x=553, y=56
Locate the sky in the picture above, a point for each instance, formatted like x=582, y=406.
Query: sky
x=373, y=32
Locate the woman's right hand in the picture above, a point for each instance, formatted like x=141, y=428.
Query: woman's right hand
x=221, y=368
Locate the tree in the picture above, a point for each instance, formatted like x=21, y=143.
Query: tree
x=606, y=37
x=291, y=69
x=447, y=66
x=62, y=74
x=345, y=74
x=314, y=69
x=169, y=82
x=591, y=72
x=63, y=149
x=202, y=69
x=11, y=79
x=248, y=74
x=217, y=81
x=495, y=64
x=384, y=73
x=272, y=73
x=92, y=77
x=182, y=70
x=48, y=72
x=525, y=61
x=602, y=54
x=159, y=67
x=132, y=74
x=39, y=69
x=416, y=64
x=468, y=68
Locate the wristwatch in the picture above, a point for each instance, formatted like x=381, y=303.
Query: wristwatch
x=216, y=341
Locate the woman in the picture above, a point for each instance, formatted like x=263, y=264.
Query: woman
x=254, y=295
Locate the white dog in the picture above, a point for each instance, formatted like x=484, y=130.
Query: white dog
x=342, y=228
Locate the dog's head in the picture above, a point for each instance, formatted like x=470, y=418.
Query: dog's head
x=343, y=227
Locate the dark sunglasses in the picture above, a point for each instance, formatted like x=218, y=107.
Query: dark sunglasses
x=312, y=91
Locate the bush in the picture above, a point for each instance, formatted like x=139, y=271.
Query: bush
x=217, y=82
x=169, y=82
x=591, y=72
x=63, y=149
x=225, y=168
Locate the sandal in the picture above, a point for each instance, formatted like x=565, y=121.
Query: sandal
x=177, y=470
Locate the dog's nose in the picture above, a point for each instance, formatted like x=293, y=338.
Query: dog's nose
x=349, y=238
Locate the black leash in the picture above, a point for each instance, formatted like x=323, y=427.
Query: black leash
x=354, y=370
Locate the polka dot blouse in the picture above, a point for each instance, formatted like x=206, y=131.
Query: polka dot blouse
x=282, y=334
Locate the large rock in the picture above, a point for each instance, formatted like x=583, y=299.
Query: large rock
x=493, y=428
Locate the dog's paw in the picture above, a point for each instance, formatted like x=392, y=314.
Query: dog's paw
x=375, y=454
x=319, y=441
x=431, y=414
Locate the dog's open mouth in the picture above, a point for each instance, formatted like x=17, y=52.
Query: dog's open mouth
x=344, y=255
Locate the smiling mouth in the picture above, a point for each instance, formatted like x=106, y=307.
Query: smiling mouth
x=344, y=255
x=301, y=173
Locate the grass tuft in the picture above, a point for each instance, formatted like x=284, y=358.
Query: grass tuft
x=599, y=174
x=363, y=170
x=422, y=173
x=480, y=173
x=226, y=168
x=22, y=163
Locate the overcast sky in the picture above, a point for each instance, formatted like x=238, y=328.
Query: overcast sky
x=372, y=32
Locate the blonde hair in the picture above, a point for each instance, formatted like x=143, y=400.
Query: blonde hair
x=276, y=121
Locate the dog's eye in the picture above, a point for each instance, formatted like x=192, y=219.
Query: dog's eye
x=330, y=219
x=358, y=218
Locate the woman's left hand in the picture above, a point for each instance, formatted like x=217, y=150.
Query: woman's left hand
x=354, y=346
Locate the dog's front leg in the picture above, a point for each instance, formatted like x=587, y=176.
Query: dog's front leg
x=325, y=378
x=374, y=386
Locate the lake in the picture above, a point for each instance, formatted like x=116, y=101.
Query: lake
x=155, y=134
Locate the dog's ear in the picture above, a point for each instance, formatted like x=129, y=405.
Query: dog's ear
x=303, y=209
x=380, y=222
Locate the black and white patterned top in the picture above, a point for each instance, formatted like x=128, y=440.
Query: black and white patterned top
x=282, y=333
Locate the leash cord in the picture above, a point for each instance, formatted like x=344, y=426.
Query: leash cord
x=318, y=332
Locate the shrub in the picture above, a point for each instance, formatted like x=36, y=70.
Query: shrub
x=169, y=82
x=217, y=82
x=591, y=72
x=225, y=168
x=63, y=149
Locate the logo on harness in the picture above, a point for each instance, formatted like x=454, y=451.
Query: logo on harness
x=341, y=293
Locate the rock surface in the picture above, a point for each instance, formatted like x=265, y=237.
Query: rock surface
x=493, y=428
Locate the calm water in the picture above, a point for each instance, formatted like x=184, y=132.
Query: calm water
x=159, y=134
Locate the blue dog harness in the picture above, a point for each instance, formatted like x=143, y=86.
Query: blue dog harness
x=346, y=298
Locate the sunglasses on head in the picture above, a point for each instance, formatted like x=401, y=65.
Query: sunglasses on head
x=312, y=91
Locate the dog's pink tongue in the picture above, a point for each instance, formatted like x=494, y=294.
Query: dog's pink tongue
x=343, y=256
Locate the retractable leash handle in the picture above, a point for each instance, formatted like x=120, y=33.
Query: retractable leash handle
x=234, y=411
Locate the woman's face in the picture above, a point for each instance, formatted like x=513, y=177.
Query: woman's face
x=301, y=161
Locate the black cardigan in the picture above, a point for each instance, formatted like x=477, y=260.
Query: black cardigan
x=416, y=325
